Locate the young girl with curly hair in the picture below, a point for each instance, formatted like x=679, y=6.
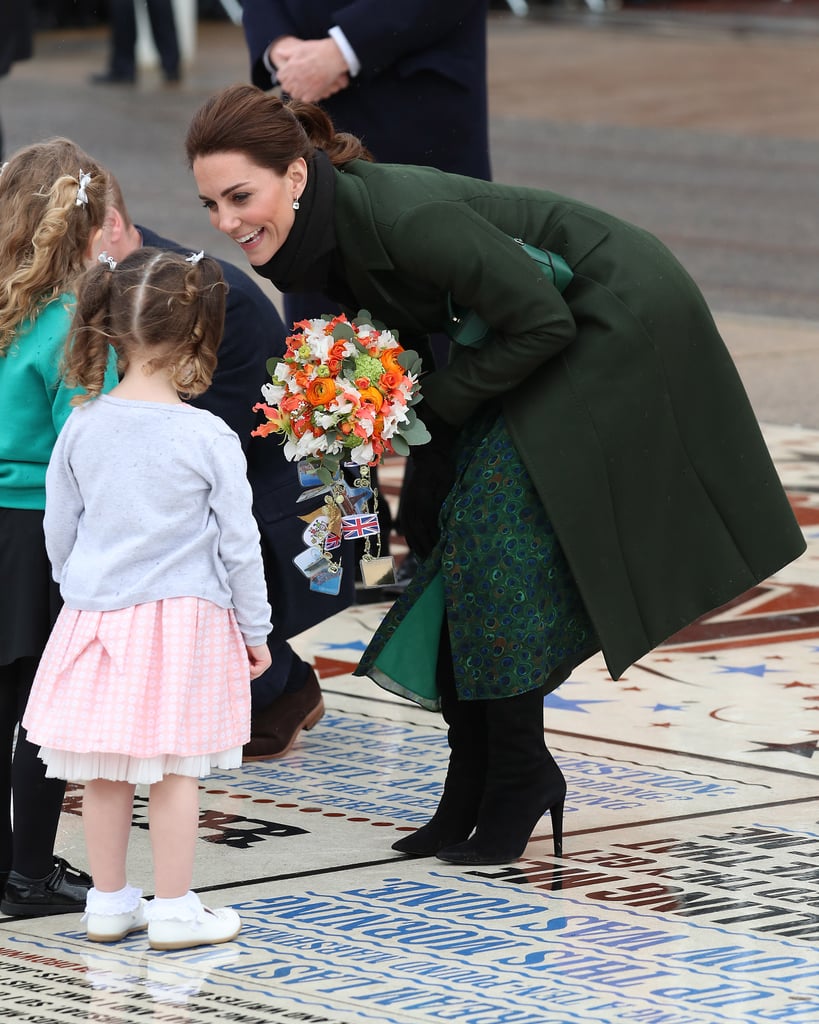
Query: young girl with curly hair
x=52, y=207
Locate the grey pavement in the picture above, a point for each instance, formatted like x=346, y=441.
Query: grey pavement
x=703, y=130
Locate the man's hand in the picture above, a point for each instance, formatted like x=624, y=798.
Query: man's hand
x=309, y=69
x=281, y=50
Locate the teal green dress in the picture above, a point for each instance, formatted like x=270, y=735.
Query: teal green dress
x=516, y=619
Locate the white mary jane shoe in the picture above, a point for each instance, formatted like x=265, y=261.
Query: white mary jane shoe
x=215, y=926
x=113, y=927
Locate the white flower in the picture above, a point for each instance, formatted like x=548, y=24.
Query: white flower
x=363, y=454
x=325, y=420
x=320, y=345
x=302, y=448
x=273, y=393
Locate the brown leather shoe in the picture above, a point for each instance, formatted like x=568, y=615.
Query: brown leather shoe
x=275, y=729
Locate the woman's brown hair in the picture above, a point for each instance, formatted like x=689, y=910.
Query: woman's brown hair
x=269, y=132
x=154, y=299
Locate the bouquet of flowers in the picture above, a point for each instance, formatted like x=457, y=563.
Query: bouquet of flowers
x=342, y=393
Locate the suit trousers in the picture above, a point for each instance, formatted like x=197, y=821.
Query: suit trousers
x=123, y=36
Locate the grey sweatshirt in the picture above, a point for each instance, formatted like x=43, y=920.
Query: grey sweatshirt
x=146, y=501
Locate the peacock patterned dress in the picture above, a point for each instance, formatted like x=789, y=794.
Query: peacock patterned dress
x=515, y=616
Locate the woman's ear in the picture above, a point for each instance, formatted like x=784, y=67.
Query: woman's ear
x=297, y=174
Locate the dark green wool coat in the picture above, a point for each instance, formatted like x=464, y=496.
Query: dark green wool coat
x=619, y=394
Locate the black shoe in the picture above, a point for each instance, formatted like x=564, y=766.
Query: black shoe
x=478, y=851
x=62, y=892
x=433, y=837
x=112, y=78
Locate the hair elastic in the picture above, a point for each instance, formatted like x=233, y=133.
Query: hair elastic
x=195, y=257
x=105, y=258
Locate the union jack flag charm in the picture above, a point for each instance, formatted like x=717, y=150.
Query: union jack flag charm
x=363, y=525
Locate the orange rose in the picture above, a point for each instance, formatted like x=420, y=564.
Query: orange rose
x=321, y=391
x=389, y=380
x=372, y=396
x=389, y=360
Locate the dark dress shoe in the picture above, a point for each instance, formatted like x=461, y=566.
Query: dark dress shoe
x=112, y=78
x=62, y=892
x=275, y=729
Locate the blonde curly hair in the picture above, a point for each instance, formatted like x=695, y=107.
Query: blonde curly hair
x=45, y=232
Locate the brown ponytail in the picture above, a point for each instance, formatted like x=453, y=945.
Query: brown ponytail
x=270, y=133
x=341, y=147
x=153, y=300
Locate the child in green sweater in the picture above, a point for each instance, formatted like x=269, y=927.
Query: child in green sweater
x=52, y=205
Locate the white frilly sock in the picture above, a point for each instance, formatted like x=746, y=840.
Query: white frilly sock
x=123, y=901
x=182, y=908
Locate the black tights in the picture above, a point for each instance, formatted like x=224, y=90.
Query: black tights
x=28, y=847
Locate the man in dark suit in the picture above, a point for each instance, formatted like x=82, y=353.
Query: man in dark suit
x=409, y=78
x=287, y=698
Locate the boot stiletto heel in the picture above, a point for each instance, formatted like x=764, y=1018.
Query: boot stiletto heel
x=556, y=812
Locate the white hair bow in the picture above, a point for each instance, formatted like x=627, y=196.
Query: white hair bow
x=105, y=258
x=82, y=195
x=195, y=257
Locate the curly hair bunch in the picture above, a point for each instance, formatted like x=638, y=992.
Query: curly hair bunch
x=52, y=203
x=154, y=301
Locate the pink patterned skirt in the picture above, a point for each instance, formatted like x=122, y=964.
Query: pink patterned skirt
x=138, y=693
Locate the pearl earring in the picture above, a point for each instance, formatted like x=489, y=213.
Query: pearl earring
x=295, y=204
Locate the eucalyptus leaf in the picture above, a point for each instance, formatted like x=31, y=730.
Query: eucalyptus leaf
x=410, y=360
x=343, y=332
x=271, y=365
x=399, y=443
x=417, y=433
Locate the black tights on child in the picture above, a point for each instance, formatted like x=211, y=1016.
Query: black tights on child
x=27, y=846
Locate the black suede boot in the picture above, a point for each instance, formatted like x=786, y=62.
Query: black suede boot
x=523, y=782
x=457, y=811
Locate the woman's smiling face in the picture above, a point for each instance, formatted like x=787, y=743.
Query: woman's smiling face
x=250, y=204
